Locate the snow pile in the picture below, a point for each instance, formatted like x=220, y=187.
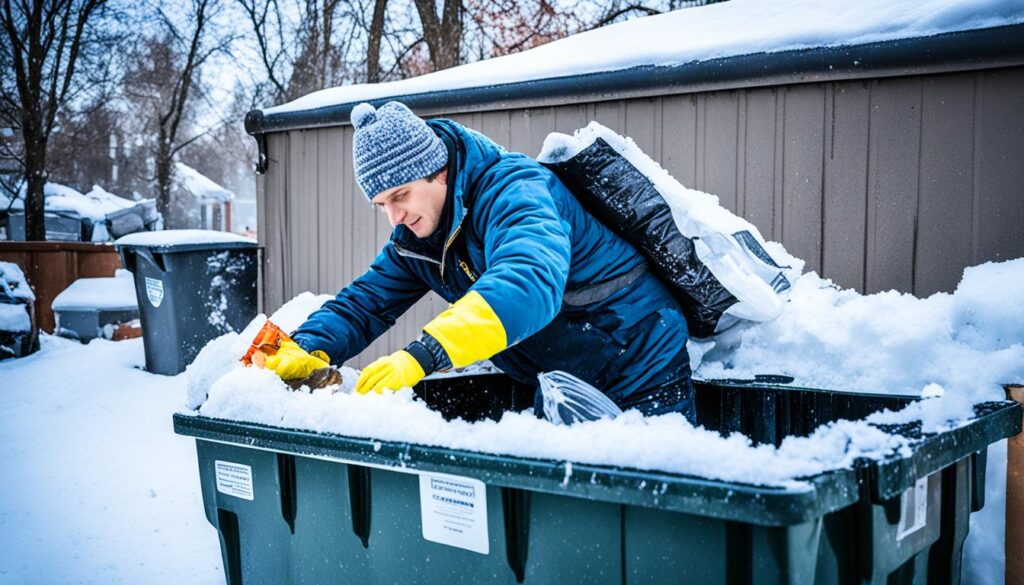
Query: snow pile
x=221, y=387
x=180, y=237
x=729, y=29
x=825, y=338
x=14, y=318
x=116, y=293
x=15, y=294
x=110, y=201
x=223, y=353
x=631, y=440
x=95, y=204
x=98, y=207
x=199, y=184
x=15, y=282
x=97, y=489
x=961, y=346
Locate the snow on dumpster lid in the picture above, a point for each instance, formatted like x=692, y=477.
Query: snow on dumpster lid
x=954, y=350
x=111, y=293
x=180, y=238
x=729, y=29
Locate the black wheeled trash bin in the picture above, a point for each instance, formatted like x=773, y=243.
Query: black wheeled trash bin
x=294, y=506
x=192, y=286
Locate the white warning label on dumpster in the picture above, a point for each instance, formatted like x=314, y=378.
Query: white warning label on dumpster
x=234, y=479
x=154, y=291
x=454, y=511
x=913, y=509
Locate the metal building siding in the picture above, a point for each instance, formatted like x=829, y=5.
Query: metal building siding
x=882, y=183
x=844, y=222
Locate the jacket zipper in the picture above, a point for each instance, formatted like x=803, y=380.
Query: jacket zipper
x=409, y=254
x=444, y=251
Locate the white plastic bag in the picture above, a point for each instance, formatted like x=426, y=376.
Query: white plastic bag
x=568, y=400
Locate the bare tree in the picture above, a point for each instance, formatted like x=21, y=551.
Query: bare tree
x=443, y=35
x=163, y=89
x=303, y=46
x=80, y=150
x=613, y=11
x=376, y=33
x=44, y=44
x=501, y=27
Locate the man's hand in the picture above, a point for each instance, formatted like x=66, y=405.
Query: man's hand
x=291, y=362
x=395, y=371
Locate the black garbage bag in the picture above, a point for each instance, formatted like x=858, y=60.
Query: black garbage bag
x=611, y=188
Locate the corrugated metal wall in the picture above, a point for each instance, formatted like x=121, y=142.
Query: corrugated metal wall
x=878, y=184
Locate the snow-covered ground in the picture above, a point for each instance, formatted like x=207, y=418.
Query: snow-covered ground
x=96, y=488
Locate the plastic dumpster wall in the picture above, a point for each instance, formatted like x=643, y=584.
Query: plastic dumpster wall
x=327, y=508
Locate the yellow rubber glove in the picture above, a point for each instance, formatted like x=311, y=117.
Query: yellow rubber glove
x=291, y=362
x=394, y=372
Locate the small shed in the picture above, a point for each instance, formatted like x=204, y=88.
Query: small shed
x=212, y=201
x=879, y=142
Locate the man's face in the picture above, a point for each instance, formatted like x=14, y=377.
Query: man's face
x=417, y=205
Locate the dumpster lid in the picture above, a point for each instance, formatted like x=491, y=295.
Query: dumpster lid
x=805, y=498
x=184, y=240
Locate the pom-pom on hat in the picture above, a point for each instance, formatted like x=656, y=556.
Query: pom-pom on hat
x=393, y=146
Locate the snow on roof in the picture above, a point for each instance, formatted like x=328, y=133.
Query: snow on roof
x=199, y=184
x=95, y=205
x=729, y=29
x=14, y=278
x=109, y=200
x=112, y=293
x=180, y=237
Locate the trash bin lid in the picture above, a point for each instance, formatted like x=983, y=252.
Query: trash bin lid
x=184, y=241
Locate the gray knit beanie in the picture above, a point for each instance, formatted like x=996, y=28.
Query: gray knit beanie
x=393, y=146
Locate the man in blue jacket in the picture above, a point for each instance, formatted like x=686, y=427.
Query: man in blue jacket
x=535, y=282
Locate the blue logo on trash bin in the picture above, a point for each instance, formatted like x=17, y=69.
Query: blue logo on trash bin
x=154, y=291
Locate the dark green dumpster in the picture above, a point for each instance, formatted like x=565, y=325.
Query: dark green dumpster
x=301, y=507
x=192, y=286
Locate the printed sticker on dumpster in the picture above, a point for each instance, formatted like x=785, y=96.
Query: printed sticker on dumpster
x=454, y=511
x=913, y=509
x=234, y=479
x=154, y=291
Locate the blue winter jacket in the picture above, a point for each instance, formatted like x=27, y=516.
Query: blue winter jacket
x=570, y=294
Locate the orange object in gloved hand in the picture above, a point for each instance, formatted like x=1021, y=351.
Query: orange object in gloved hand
x=291, y=362
x=394, y=372
x=275, y=350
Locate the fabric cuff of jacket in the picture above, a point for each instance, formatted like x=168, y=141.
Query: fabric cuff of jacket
x=429, y=354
